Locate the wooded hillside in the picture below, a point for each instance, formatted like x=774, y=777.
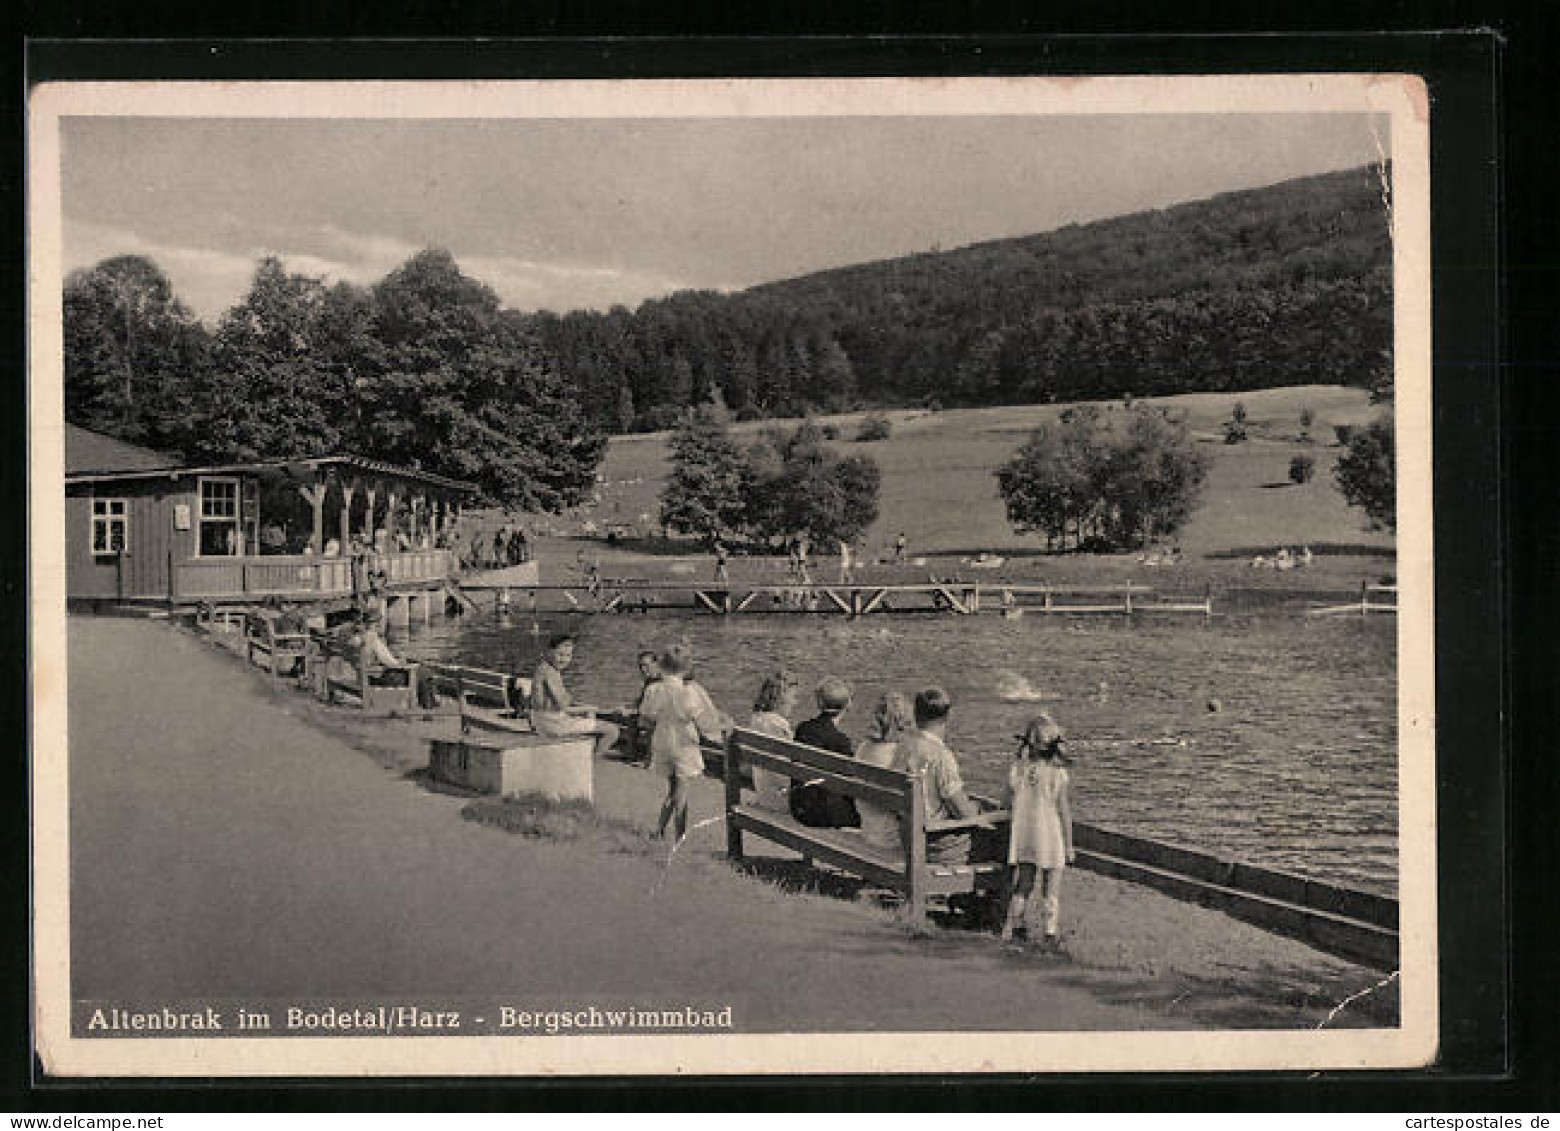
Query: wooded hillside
x=1283, y=285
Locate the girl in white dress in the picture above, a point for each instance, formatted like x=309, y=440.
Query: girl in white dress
x=1042, y=833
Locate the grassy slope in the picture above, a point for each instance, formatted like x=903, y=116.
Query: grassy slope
x=938, y=488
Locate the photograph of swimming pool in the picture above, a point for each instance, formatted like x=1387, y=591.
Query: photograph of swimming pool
x=598, y=578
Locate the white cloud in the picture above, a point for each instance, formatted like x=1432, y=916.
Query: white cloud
x=212, y=280
x=531, y=284
x=208, y=280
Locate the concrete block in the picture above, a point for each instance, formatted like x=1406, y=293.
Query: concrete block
x=558, y=768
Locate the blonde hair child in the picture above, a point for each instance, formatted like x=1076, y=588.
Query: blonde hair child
x=1039, y=788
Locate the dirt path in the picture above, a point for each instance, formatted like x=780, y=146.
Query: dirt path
x=228, y=840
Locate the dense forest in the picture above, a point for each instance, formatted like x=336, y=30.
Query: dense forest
x=424, y=369
x=1284, y=285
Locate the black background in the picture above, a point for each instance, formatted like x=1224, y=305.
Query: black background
x=1492, y=114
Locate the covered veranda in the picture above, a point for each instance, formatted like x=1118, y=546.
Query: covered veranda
x=314, y=528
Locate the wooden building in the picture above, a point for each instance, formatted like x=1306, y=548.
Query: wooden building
x=142, y=527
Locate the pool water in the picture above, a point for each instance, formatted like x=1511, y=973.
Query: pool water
x=1270, y=739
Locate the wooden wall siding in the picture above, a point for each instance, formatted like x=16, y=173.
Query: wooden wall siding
x=160, y=563
x=152, y=539
x=86, y=575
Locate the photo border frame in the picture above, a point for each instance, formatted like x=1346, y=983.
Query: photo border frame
x=1465, y=302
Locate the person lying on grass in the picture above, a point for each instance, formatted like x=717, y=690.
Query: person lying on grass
x=680, y=711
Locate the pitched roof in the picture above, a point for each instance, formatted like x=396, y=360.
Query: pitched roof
x=92, y=457
x=88, y=452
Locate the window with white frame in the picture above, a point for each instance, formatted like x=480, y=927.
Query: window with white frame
x=110, y=526
x=219, y=514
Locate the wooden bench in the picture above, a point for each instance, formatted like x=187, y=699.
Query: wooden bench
x=907, y=870
x=284, y=651
x=380, y=691
x=505, y=697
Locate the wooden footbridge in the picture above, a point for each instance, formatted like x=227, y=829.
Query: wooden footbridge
x=955, y=596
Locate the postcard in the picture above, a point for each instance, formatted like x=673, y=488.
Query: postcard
x=574, y=578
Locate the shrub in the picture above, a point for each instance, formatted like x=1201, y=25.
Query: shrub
x=875, y=427
x=1367, y=473
x=1301, y=468
x=1344, y=432
x=831, y=431
x=1112, y=485
x=796, y=485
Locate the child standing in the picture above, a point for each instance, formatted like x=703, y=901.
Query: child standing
x=680, y=711
x=1042, y=836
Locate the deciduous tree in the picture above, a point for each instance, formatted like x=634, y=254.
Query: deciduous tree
x=799, y=486
x=1367, y=472
x=131, y=349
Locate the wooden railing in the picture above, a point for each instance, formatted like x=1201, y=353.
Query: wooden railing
x=297, y=574
x=418, y=565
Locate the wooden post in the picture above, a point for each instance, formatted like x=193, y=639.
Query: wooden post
x=370, y=493
x=913, y=829
x=733, y=799
x=315, y=496
x=416, y=527
x=348, y=489
x=1129, y=598
x=392, y=496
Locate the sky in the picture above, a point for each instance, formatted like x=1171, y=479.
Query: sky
x=561, y=214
